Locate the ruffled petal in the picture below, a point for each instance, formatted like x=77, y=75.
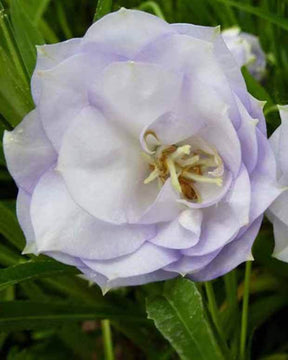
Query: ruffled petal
x=164, y=208
x=181, y=233
x=146, y=259
x=60, y=225
x=264, y=186
x=106, y=284
x=274, y=141
x=28, y=152
x=137, y=93
x=231, y=256
x=110, y=166
x=127, y=31
x=281, y=240
x=255, y=109
x=225, y=140
x=248, y=138
x=49, y=56
x=283, y=143
x=24, y=218
x=223, y=56
x=210, y=194
x=189, y=264
x=192, y=57
x=239, y=198
x=64, y=91
x=278, y=209
x=220, y=225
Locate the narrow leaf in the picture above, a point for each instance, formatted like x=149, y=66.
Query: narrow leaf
x=31, y=270
x=272, y=18
x=103, y=8
x=26, y=33
x=179, y=315
x=25, y=315
x=15, y=98
x=10, y=228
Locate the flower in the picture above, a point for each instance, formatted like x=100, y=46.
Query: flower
x=246, y=50
x=145, y=156
x=277, y=212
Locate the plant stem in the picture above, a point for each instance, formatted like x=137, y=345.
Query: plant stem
x=244, y=318
x=107, y=340
x=213, y=306
x=231, y=289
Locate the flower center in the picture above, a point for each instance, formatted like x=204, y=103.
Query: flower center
x=183, y=166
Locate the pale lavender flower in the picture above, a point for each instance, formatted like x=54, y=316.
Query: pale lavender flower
x=145, y=157
x=278, y=211
x=246, y=50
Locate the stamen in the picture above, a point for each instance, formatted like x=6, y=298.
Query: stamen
x=183, y=167
x=179, y=152
x=147, y=158
x=173, y=174
x=189, y=162
x=219, y=171
x=204, y=179
x=154, y=175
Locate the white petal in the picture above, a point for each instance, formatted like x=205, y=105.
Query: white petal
x=281, y=240
x=127, y=31
x=61, y=226
x=181, y=233
x=98, y=154
x=190, y=264
x=24, y=218
x=240, y=197
x=283, y=142
x=220, y=225
x=144, y=260
x=28, y=152
x=248, y=138
x=138, y=93
x=64, y=92
x=210, y=193
x=192, y=57
x=165, y=207
x=49, y=56
x=231, y=256
x=264, y=186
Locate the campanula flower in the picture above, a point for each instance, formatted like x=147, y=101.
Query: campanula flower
x=145, y=156
x=246, y=50
x=277, y=212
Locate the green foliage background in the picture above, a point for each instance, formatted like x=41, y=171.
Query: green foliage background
x=46, y=310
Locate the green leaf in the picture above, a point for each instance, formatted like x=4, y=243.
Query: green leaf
x=152, y=6
x=10, y=228
x=272, y=18
x=262, y=309
x=15, y=98
x=179, y=315
x=255, y=88
x=26, y=34
x=35, y=8
x=31, y=270
x=26, y=315
x=78, y=341
x=103, y=8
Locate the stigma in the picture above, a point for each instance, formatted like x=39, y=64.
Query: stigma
x=183, y=166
